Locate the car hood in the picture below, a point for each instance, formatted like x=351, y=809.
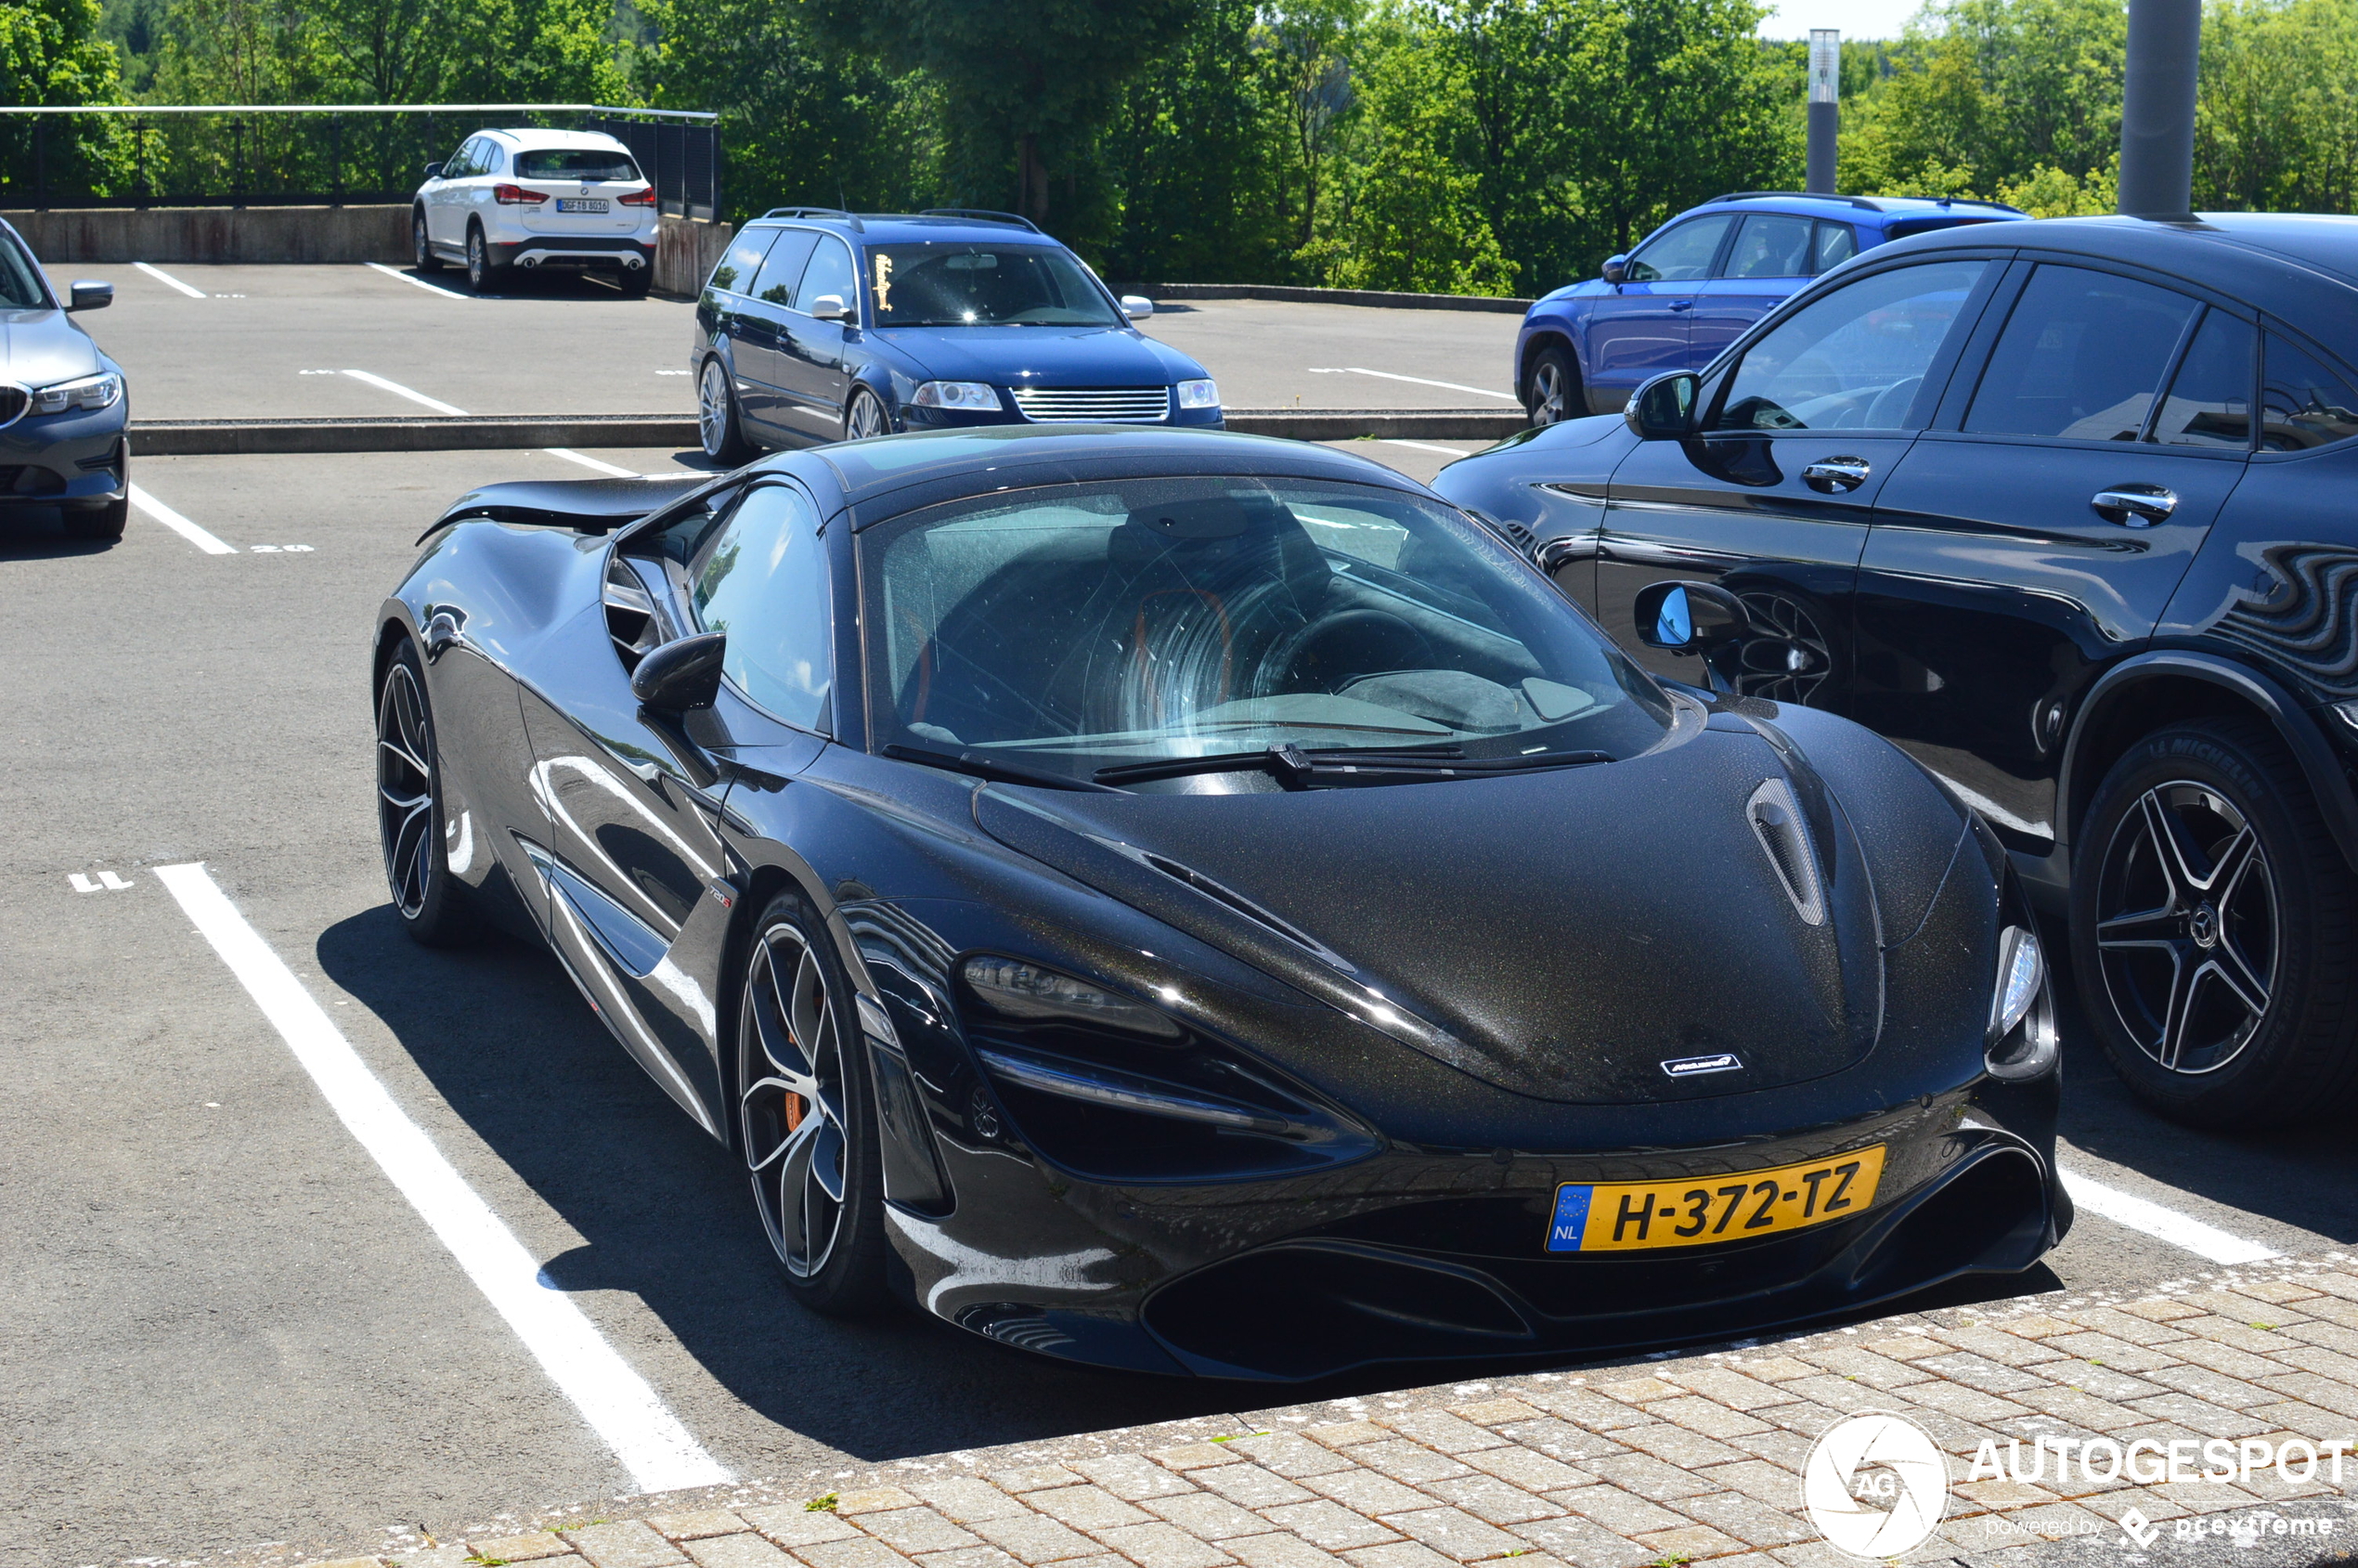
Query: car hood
x=1049, y=355
x=1568, y=935
x=39, y=347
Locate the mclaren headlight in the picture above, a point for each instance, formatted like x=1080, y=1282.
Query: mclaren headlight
x=2022, y=1040
x=1016, y=989
x=90, y=392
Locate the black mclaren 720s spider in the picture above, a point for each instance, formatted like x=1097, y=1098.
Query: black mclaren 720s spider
x=1202, y=905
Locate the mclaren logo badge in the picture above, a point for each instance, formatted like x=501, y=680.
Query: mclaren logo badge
x=1692, y=1066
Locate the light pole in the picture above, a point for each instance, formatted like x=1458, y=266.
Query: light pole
x=1825, y=107
x=2158, y=109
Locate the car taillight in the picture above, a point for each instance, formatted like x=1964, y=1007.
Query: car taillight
x=516, y=196
x=638, y=198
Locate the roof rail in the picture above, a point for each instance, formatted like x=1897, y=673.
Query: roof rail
x=1964, y=201
x=1798, y=195
x=983, y=212
x=851, y=218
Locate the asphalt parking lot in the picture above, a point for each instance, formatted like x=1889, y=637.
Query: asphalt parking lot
x=358, y=340
x=222, y=1322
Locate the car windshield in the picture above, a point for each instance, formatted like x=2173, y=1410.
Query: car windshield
x=19, y=279
x=575, y=164
x=966, y=285
x=1075, y=627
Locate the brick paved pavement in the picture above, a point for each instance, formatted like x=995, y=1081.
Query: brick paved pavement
x=1683, y=1456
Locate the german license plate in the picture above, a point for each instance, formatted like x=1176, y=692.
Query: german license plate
x=581, y=203
x=1628, y=1215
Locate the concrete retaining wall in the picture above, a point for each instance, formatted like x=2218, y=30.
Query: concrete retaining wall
x=1379, y=297
x=686, y=253
x=217, y=233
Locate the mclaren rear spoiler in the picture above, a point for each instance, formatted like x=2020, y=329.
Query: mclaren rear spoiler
x=585, y=506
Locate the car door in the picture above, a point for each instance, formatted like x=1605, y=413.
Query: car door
x=1772, y=256
x=721, y=307
x=1772, y=498
x=2038, y=531
x=634, y=797
x=813, y=373
x=446, y=219
x=763, y=328
x=1642, y=329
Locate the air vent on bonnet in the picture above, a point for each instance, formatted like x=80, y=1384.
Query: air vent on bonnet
x=1775, y=820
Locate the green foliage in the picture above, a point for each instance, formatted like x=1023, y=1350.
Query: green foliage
x=53, y=52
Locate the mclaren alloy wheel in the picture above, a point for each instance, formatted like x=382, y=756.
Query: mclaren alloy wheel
x=1790, y=659
x=865, y=417
x=410, y=819
x=804, y=1122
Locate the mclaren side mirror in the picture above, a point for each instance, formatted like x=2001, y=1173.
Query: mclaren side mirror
x=434, y=171
x=1616, y=268
x=89, y=295
x=1664, y=409
x=1688, y=617
x=1137, y=307
x=830, y=307
x=683, y=674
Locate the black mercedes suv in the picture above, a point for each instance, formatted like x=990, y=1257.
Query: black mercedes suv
x=2069, y=510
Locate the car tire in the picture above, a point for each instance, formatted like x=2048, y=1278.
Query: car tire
x=421, y=245
x=718, y=427
x=483, y=275
x=1552, y=393
x=864, y=416
x=2214, y=926
x=412, y=829
x=807, y=1117
x=104, y=522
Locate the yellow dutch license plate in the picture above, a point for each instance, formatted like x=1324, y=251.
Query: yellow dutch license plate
x=1625, y=1216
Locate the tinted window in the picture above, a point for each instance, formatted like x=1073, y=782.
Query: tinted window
x=743, y=260
x=2081, y=356
x=830, y=272
x=2304, y=402
x=1855, y=359
x=20, y=287
x=575, y=164
x=966, y=285
x=1771, y=245
x=1837, y=242
x=763, y=581
x=1679, y=253
x=2210, y=399
x=778, y=274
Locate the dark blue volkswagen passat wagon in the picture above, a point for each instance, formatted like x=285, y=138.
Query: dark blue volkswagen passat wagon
x=821, y=325
x=1694, y=284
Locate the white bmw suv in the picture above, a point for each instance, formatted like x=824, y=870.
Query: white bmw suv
x=537, y=198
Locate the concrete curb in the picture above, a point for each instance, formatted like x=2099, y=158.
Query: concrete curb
x=182, y=439
x=1382, y=299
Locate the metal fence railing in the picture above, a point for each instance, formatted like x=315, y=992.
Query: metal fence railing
x=238, y=155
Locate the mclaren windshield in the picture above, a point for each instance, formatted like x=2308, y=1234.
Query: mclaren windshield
x=1210, y=634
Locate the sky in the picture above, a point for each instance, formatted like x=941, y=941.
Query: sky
x=1858, y=18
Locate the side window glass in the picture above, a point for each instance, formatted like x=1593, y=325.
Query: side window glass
x=775, y=285
x=2304, y=402
x=830, y=273
x=1680, y=254
x=495, y=158
x=1770, y=245
x=763, y=580
x=1855, y=359
x=2210, y=399
x=2081, y=357
x=1837, y=242
x=739, y=264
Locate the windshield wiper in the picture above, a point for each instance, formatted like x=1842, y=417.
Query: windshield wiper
x=991, y=768
x=1345, y=767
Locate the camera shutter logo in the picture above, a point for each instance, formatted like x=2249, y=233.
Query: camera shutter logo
x=1876, y=1485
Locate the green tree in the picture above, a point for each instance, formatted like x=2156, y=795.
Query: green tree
x=52, y=52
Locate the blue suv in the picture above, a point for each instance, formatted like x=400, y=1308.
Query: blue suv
x=819, y=325
x=1696, y=283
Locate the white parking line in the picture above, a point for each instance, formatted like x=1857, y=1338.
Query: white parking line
x=606, y=468
x=161, y=275
x=178, y=524
x=413, y=278
x=616, y=1402
x=437, y=403
x=2165, y=1224
x=1420, y=381
x=1424, y=447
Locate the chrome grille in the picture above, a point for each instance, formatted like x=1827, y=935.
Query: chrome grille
x=1051, y=404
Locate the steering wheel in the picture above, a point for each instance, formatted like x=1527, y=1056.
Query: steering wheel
x=1351, y=644
x=1891, y=403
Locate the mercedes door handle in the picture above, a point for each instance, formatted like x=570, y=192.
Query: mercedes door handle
x=1829, y=474
x=2134, y=506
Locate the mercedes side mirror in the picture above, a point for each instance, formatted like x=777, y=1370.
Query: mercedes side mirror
x=1137, y=307
x=1616, y=268
x=1664, y=409
x=683, y=674
x=830, y=307
x=89, y=295
x=434, y=171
